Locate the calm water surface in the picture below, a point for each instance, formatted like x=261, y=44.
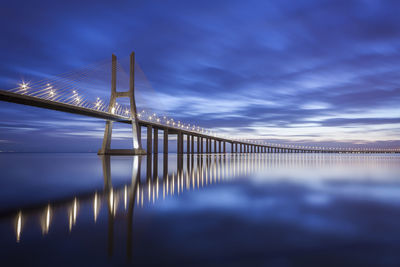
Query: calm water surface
x=210, y=210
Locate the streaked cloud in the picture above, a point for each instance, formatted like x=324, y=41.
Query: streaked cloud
x=316, y=71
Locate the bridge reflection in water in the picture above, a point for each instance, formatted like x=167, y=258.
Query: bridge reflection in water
x=157, y=182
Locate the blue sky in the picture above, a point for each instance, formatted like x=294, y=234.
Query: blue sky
x=302, y=72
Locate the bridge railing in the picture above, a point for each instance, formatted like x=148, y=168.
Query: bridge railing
x=61, y=90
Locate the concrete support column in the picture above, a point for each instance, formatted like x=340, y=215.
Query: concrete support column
x=155, y=141
x=180, y=143
x=215, y=146
x=224, y=147
x=201, y=145
x=188, y=144
x=207, y=146
x=149, y=139
x=165, y=150
x=192, y=146
x=198, y=144
x=219, y=147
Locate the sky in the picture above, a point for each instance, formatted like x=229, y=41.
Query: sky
x=317, y=72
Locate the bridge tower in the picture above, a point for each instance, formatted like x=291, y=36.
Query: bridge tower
x=136, y=136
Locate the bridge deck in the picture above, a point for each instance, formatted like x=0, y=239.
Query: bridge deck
x=54, y=105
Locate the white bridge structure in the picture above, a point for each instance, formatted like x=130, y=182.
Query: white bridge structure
x=61, y=94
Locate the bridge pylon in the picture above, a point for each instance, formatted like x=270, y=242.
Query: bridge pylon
x=136, y=136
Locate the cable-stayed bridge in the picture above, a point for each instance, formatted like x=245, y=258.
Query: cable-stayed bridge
x=64, y=94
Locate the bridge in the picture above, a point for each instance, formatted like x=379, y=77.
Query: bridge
x=46, y=94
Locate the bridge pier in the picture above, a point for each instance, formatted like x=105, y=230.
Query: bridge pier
x=136, y=141
x=187, y=144
x=149, y=139
x=165, y=149
x=155, y=146
x=192, y=146
x=180, y=143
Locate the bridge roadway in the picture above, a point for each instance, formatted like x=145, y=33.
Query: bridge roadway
x=213, y=144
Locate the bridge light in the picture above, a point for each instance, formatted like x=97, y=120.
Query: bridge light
x=112, y=110
x=24, y=85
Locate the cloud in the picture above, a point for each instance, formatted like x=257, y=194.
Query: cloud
x=276, y=67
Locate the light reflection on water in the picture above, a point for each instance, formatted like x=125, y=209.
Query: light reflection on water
x=203, y=209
